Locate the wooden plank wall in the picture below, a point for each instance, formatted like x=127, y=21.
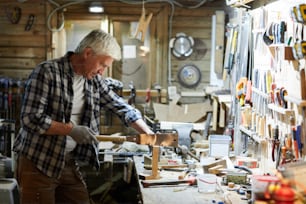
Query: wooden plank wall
x=196, y=23
x=21, y=50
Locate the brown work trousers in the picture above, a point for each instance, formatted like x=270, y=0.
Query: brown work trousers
x=37, y=188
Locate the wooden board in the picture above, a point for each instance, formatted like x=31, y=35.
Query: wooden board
x=219, y=42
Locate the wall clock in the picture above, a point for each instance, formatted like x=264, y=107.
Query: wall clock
x=182, y=45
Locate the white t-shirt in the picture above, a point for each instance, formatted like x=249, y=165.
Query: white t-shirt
x=77, y=108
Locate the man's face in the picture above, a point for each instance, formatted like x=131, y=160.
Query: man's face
x=95, y=64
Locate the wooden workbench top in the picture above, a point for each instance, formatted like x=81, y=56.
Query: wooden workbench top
x=178, y=194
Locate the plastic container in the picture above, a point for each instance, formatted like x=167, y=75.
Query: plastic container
x=207, y=183
x=219, y=145
x=260, y=184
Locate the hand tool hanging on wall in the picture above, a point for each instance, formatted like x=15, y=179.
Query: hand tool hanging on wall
x=13, y=14
x=147, y=108
x=243, y=52
x=295, y=143
x=233, y=47
x=158, y=88
x=30, y=22
x=241, y=88
x=132, y=97
x=275, y=143
x=299, y=140
x=303, y=83
x=299, y=46
x=229, y=35
x=298, y=13
x=143, y=24
x=248, y=96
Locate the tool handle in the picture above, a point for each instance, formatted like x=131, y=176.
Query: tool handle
x=296, y=149
x=108, y=138
x=147, y=183
x=295, y=144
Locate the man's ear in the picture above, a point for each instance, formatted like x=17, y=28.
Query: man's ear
x=88, y=52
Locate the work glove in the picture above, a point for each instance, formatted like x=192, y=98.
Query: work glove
x=83, y=135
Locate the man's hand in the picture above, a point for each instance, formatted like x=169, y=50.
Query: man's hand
x=83, y=135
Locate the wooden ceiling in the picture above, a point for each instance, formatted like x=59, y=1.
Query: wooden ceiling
x=177, y=3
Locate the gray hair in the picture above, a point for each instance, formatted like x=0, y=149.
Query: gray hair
x=102, y=43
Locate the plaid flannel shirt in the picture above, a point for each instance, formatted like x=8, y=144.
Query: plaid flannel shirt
x=48, y=96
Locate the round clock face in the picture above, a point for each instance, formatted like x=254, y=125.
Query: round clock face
x=189, y=76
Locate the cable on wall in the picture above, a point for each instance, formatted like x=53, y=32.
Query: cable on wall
x=59, y=7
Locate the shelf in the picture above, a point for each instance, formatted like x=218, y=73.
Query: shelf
x=280, y=110
x=238, y=3
x=298, y=102
x=261, y=93
x=252, y=135
x=259, y=30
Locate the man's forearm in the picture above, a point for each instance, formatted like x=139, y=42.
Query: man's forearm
x=141, y=127
x=58, y=128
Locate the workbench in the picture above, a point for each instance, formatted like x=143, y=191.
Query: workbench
x=179, y=193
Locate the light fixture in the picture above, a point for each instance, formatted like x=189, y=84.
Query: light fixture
x=96, y=7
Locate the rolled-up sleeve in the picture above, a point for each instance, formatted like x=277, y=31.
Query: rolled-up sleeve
x=116, y=104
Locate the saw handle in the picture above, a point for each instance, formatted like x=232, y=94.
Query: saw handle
x=108, y=138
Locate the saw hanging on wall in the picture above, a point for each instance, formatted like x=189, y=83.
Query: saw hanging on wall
x=181, y=46
x=189, y=76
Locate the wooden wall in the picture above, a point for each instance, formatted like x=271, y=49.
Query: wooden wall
x=21, y=50
x=196, y=23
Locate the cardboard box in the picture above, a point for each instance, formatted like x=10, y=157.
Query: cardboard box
x=188, y=113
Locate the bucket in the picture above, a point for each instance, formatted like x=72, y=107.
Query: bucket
x=207, y=183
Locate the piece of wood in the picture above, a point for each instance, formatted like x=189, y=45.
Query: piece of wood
x=155, y=171
x=216, y=169
x=219, y=42
x=143, y=25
